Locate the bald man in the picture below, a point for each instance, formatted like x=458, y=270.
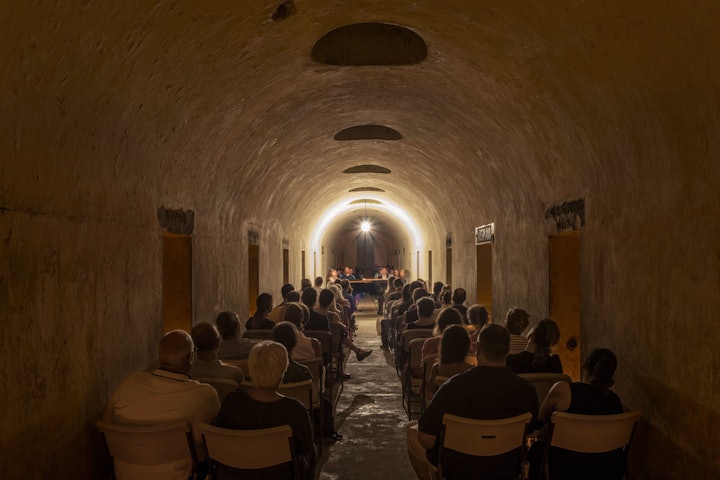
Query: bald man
x=164, y=395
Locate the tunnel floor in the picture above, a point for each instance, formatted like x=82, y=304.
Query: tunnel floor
x=369, y=414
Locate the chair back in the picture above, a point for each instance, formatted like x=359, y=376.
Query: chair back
x=543, y=382
x=412, y=334
x=242, y=364
x=484, y=438
x=593, y=433
x=302, y=391
x=150, y=445
x=325, y=339
x=415, y=357
x=259, y=334
x=248, y=449
x=222, y=386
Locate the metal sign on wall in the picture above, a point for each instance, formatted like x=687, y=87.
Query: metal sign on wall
x=485, y=234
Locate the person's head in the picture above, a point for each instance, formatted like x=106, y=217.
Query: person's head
x=318, y=281
x=419, y=293
x=517, y=320
x=403, y=273
x=599, y=368
x=332, y=273
x=287, y=288
x=454, y=344
x=264, y=303
x=398, y=283
x=447, y=317
x=306, y=313
x=459, y=296
x=414, y=285
x=326, y=298
x=205, y=337
x=228, y=325
x=293, y=296
x=176, y=351
x=285, y=333
x=267, y=364
x=347, y=271
x=294, y=314
x=305, y=283
x=545, y=335
x=493, y=343
x=383, y=271
x=446, y=297
x=407, y=293
x=477, y=315
x=309, y=297
x=345, y=284
x=391, y=284
x=437, y=287
x=425, y=307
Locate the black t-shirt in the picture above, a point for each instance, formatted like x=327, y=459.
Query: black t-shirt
x=317, y=321
x=523, y=363
x=483, y=392
x=264, y=324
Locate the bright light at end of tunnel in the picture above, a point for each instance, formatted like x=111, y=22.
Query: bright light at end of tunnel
x=365, y=227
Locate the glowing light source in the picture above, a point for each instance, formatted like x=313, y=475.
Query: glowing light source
x=365, y=227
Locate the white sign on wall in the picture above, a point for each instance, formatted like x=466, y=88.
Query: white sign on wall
x=485, y=234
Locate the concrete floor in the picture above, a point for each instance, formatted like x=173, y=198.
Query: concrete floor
x=369, y=415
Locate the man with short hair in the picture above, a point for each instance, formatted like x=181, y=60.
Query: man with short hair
x=232, y=346
x=277, y=314
x=207, y=341
x=458, y=301
x=316, y=321
x=489, y=391
x=163, y=396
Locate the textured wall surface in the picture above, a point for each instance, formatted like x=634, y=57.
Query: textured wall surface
x=111, y=110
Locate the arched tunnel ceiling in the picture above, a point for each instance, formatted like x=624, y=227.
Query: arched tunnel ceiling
x=183, y=97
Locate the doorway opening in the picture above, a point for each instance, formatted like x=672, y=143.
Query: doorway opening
x=286, y=266
x=484, y=276
x=177, y=282
x=430, y=281
x=253, y=271
x=448, y=266
x=564, y=302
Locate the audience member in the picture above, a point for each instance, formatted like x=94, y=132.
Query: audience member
x=318, y=286
x=477, y=317
x=207, y=341
x=423, y=313
x=277, y=313
x=259, y=320
x=447, y=316
x=537, y=356
x=305, y=283
x=163, y=396
x=516, y=321
x=326, y=298
x=306, y=348
x=454, y=349
x=489, y=391
x=316, y=321
x=232, y=346
x=262, y=407
x=286, y=334
x=591, y=396
x=458, y=301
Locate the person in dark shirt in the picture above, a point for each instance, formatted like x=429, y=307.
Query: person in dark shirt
x=259, y=320
x=537, y=356
x=262, y=407
x=489, y=391
x=316, y=321
x=591, y=396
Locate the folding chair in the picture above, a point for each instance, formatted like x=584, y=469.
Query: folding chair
x=317, y=370
x=543, y=382
x=242, y=364
x=337, y=356
x=248, y=449
x=590, y=434
x=413, y=376
x=223, y=386
x=260, y=334
x=427, y=365
x=135, y=449
x=483, y=438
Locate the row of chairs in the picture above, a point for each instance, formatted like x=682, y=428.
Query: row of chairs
x=591, y=434
x=173, y=442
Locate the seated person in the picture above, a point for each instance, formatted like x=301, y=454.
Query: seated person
x=591, y=396
x=327, y=297
x=277, y=313
x=446, y=317
x=424, y=317
x=259, y=320
x=163, y=396
x=477, y=317
x=262, y=407
x=459, y=296
x=316, y=321
x=489, y=391
x=411, y=314
x=516, y=321
x=454, y=348
x=207, y=341
x=306, y=348
x=285, y=333
x=233, y=346
x=537, y=356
